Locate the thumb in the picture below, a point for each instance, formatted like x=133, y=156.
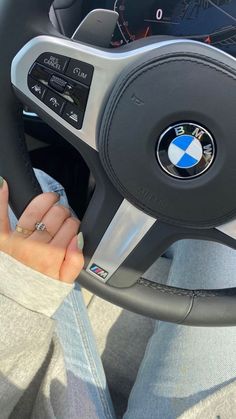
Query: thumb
x=73, y=262
x=4, y=219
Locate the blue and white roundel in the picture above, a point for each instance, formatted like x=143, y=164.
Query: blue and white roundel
x=185, y=151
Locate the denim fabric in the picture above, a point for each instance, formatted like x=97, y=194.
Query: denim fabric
x=182, y=365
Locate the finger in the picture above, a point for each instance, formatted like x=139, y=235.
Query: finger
x=4, y=219
x=53, y=221
x=35, y=211
x=67, y=231
x=73, y=263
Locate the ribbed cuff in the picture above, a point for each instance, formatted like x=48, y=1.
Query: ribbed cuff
x=29, y=288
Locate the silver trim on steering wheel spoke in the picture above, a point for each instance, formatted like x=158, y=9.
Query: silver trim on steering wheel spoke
x=108, y=64
x=124, y=233
x=229, y=229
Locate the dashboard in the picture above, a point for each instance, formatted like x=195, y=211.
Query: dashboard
x=209, y=21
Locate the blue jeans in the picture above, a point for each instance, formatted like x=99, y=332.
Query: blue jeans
x=181, y=366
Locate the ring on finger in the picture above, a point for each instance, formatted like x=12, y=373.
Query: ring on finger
x=23, y=231
x=39, y=226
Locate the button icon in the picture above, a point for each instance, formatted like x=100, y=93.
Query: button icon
x=54, y=102
x=36, y=88
x=79, y=73
x=54, y=61
x=73, y=116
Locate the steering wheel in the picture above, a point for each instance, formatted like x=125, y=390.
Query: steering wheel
x=155, y=122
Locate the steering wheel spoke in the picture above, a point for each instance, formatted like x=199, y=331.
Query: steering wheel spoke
x=126, y=230
x=229, y=230
x=69, y=81
x=133, y=241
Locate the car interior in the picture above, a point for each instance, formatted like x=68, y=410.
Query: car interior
x=113, y=50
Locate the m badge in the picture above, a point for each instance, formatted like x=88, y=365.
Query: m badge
x=95, y=269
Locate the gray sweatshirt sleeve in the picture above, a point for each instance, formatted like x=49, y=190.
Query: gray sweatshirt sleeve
x=31, y=358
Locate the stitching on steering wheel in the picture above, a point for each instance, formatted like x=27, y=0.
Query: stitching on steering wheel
x=183, y=292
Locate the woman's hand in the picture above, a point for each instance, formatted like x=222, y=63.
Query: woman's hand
x=54, y=251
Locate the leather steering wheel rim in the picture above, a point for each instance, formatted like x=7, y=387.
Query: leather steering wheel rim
x=151, y=224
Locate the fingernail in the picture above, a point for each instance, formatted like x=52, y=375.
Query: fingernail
x=80, y=241
x=1, y=181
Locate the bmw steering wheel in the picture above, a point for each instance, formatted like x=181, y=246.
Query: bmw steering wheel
x=155, y=122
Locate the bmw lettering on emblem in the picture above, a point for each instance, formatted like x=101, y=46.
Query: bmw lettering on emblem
x=185, y=150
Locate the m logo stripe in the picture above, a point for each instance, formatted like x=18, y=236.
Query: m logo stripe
x=98, y=271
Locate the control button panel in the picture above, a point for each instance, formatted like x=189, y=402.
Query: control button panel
x=63, y=85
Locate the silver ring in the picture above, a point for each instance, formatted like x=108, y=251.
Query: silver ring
x=40, y=226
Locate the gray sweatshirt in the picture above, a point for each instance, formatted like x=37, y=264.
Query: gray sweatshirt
x=33, y=382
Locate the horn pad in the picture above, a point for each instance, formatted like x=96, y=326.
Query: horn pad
x=165, y=93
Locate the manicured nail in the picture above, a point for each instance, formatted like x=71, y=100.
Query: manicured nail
x=80, y=241
x=1, y=181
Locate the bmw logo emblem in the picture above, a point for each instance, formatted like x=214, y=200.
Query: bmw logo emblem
x=185, y=150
